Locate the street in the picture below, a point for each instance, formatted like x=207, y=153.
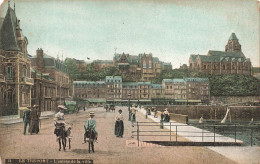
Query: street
x=109, y=149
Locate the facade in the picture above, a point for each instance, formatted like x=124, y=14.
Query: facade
x=230, y=61
x=130, y=90
x=89, y=90
x=142, y=67
x=15, y=65
x=57, y=74
x=192, y=90
x=114, y=87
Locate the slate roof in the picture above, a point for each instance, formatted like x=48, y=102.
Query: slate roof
x=157, y=86
x=8, y=31
x=220, y=56
x=112, y=79
x=191, y=79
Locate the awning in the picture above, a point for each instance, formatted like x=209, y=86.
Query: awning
x=70, y=102
x=195, y=101
x=96, y=100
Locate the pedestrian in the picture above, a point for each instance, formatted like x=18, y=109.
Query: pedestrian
x=166, y=115
x=133, y=116
x=26, y=118
x=119, y=125
x=34, y=124
x=85, y=108
x=90, y=124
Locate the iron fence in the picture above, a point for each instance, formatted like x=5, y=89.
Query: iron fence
x=207, y=131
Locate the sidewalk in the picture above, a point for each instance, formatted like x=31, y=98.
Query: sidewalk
x=14, y=119
x=240, y=154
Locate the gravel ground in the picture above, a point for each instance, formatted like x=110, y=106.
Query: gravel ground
x=109, y=149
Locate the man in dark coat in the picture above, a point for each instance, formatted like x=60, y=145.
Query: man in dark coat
x=34, y=125
x=26, y=118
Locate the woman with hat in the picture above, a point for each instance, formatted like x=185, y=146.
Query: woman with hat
x=26, y=118
x=119, y=125
x=91, y=124
x=34, y=125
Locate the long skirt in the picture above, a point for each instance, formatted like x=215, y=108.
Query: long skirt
x=132, y=117
x=34, y=126
x=119, y=128
x=166, y=118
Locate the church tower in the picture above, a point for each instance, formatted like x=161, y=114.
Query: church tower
x=233, y=44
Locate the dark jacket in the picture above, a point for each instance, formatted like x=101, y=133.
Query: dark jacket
x=27, y=116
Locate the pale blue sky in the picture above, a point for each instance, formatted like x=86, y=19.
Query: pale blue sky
x=170, y=30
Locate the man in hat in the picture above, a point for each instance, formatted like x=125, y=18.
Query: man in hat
x=26, y=118
x=166, y=115
x=34, y=124
x=90, y=124
x=59, y=119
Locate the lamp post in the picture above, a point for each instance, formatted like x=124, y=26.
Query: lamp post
x=129, y=113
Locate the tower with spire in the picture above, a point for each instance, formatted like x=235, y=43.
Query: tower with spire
x=233, y=44
x=15, y=66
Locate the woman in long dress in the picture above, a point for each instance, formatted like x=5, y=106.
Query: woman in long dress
x=34, y=124
x=119, y=125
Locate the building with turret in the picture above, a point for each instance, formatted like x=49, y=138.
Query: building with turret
x=15, y=66
x=230, y=61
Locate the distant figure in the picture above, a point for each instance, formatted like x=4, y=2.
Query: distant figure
x=26, y=118
x=133, y=116
x=201, y=120
x=166, y=115
x=251, y=122
x=34, y=124
x=85, y=108
x=119, y=125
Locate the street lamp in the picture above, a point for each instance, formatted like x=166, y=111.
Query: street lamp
x=129, y=113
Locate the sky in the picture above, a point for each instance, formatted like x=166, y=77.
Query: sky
x=169, y=29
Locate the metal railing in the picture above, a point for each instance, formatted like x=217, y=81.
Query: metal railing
x=207, y=131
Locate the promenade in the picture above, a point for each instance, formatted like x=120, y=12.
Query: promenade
x=109, y=148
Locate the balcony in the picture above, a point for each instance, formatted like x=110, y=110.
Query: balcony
x=2, y=78
x=28, y=80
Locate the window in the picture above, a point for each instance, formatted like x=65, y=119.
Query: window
x=9, y=97
x=9, y=73
x=144, y=65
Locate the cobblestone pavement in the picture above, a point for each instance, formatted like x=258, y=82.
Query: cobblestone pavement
x=109, y=149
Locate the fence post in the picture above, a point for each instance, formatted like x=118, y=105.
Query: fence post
x=251, y=137
x=202, y=133
x=170, y=131
x=235, y=133
x=137, y=133
x=214, y=134
x=176, y=133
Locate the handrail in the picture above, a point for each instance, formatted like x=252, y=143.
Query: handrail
x=203, y=132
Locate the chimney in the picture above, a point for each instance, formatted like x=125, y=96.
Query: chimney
x=39, y=60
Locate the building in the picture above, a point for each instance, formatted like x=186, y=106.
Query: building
x=15, y=66
x=230, y=61
x=57, y=72
x=142, y=67
x=187, y=90
x=157, y=91
x=114, y=87
x=130, y=91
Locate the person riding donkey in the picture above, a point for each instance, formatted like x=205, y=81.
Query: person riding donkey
x=90, y=124
x=59, y=120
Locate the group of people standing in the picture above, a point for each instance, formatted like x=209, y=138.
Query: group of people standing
x=31, y=118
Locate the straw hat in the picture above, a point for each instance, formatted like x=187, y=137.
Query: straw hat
x=92, y=114
x=35, y=105
x=166, y=109
x=62, y=107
